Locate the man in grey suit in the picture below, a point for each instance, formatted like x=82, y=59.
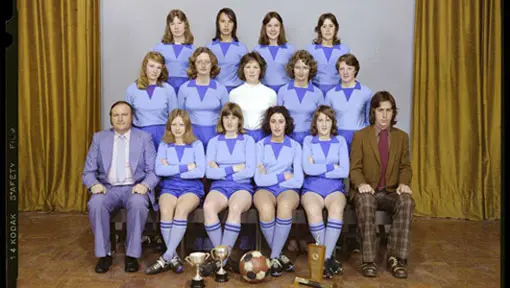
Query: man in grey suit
x=119, y=172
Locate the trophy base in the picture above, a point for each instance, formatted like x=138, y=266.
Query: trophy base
x=197, y=283
x=221, y=278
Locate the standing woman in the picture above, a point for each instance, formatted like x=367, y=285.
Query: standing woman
x=253, y=97
x=275, y=49
x=350, y=99
x=227, y=48
x=300, y=96
x=326, y=49
x=202, y=96
x=176, y=46
x=151, y=97
x=326, y=164
x=231, y=165
x=278, y=177
x=181, y=164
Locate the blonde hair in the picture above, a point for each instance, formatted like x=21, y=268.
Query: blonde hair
x=142, y=82
x=168, y=38
x=188, y=137
x=230, y=108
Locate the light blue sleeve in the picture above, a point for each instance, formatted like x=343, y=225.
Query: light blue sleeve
x=342, y=171
x=166, y=170
x=199, y=156
x=311, y=169
x=172, y=99
x=263, y=180
x=130, y=95
x=214, y=173
x=250, y=160
x=296, y=181
x=181, y=98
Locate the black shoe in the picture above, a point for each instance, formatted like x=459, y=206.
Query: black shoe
x=159, y=266
x=176, y=264
x=369, y=269
x=103, y=264
x=131, y=264
x=276, y=267
x=287, y=265
x=397, y=267
x=209, y=268
x=335, y=265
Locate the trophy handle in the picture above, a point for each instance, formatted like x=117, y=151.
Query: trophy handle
x=187, y=259
x=213, y=253
x=206, y=256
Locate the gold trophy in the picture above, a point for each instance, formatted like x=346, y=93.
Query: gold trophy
x=220, y=253
x=196, y=259
x=316, y=254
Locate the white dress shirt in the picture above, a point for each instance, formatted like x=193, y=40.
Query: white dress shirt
x=254, y=101
x=112, y=178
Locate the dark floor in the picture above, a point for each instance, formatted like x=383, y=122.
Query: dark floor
x=56, y=250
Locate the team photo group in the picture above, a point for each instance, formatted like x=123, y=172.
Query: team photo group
x=223, y=127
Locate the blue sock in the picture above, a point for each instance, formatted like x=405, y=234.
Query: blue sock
x=231, y=233
x=268, y=230
x=318, y=229
x=332, y=233
x=214, y=233
x=281, y=233
x=178, y=230
x=166, y=229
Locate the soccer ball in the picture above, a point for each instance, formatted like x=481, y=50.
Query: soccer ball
x=254, y=267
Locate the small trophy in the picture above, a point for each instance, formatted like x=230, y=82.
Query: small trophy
x=196, y=259
x=316, y=254
x=220, y=253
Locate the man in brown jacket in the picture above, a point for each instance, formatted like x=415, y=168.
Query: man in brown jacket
x=380, y=177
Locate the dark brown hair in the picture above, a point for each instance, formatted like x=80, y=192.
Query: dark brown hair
x=330, y=113
x=350, y=60
x=192, y=69
x=230, y=108
x=381, y=96
x=263, y=39
x=255, y=56
x=232, y=16
x=289, y=121
x=307, y=58
x=119, y=103
x=168, y=38
x=188, y=136
x=323, y=18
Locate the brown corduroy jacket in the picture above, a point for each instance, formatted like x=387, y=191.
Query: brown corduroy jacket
x=365, y=162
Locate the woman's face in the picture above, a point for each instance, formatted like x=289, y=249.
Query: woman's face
x=230, y=123
x=328, y=30
x=277, y=125
x=301, y=71
x=346, y=72
x=273, y=29
x=252, y=72
x=226, y=25
x=177, y=127
x=324, y=124
x=153, y=70
x=177, y=27
x=203, y=64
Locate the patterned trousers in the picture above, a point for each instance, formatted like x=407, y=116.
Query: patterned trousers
x=400, y=207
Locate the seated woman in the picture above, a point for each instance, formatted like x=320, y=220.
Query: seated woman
x=326, y=164
x=181, y=164
x=231, y=166
x=278, y=177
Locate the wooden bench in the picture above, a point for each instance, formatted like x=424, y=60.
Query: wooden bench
x=118, y=224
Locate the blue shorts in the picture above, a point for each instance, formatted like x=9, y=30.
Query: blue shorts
x=157, y=132
x=176, y=82
x=228, y=188
x=322, y=186
x=255, y=134
x=276, y=189
x=178, y=187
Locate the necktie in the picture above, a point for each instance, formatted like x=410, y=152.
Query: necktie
x=121, y=159
x=383, y=153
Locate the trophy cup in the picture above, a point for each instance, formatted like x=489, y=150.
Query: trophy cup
x=220, y=253
x=195, y=259
x=316, y=254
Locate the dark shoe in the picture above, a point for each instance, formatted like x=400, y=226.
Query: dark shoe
x=131, y=264
x=333, y=266
x=276, y=267
x=209, y=267
x=397, y=267
x=159, y=266
x=103, y=264
x=287, y=265
x=369, y=269
x=176, y=264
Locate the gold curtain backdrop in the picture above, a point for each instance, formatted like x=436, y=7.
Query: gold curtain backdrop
x=59, y=100
x=456, y=135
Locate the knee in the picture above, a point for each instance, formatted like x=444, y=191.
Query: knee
x=209, y=208
x=285, y=208
x=96, y=202
x=181, y=212
x=336, y=211
x=406, y=202
x=166, y=211
x=313, y=213
x=235, y=209
x=138, y=202
x=266, y=210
